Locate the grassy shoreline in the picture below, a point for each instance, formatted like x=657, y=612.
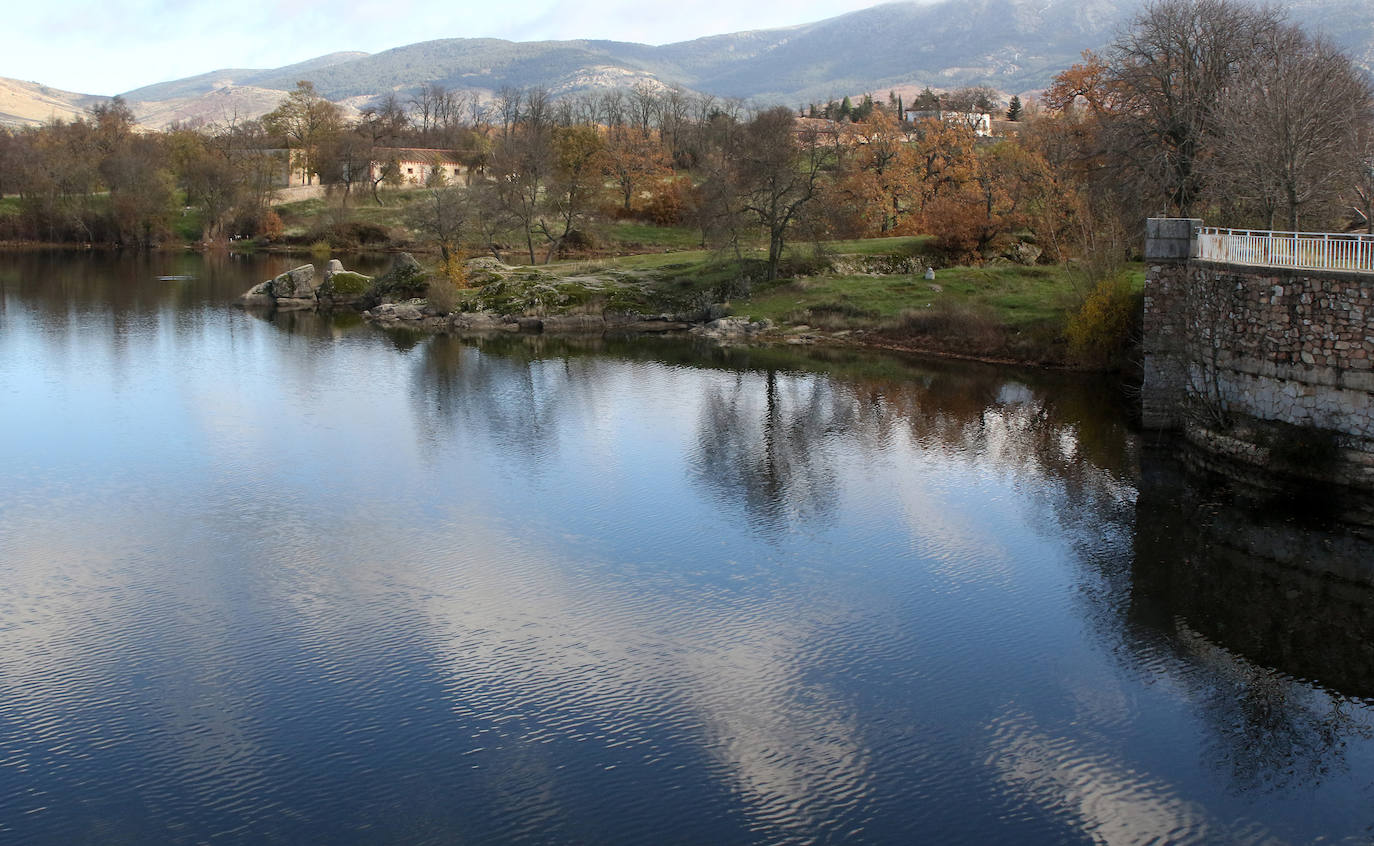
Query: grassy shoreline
x=867, y=293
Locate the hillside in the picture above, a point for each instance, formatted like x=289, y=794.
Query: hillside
x=206, y=83
x=1012, y=45
x=29, y=104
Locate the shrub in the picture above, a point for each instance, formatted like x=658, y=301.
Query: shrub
x=359, y=233
x=957, y=325
x=454, y=268
x=672, y=204
x=832, y=315
x=442, y=294
x=578, y=241
x=1100, y=332
x=270, y=226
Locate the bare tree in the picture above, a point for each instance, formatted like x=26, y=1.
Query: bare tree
x=442, y=214
x=578, y=153
x=587, y=109
x=613, y=109
x=522, y=165
x=381, y=127
x=345, y=159
x=507, y=108
x=1288, y=128
x=674, y=109
x=1363, y=187
x=306, y=120
x=1167, y=71
x=9, y=158
x=975, y=99
x=538, y=114
x=643, y=105
x=564, y=112
x=449, y=115
x=479, y=114
x=422, y=107
x=776, y=174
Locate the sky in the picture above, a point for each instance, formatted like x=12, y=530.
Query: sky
x=111, y=46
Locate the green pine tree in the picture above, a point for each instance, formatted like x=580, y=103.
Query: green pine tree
x=1014, y=108
x=864, y=109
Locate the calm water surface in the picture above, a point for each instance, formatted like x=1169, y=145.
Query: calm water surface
x=296, y=580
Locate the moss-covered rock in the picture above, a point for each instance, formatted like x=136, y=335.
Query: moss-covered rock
x=347, y=283
x=406, y=280
x=485, y=270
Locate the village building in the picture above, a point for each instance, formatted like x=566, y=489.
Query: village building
x=979, y=122
x=415, y=165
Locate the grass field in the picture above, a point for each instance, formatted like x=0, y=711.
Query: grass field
x=1015, y=296
x=1019, y=296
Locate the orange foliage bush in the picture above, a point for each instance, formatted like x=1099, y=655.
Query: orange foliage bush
x=270, y=226
x=672, y=203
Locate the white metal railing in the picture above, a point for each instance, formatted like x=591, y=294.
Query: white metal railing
x=1302, y=250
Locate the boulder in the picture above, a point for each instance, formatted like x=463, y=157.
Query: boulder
x=406, y=311
x=344, y=283
x=1024, y=253
x=485, y=270
x=404, y=280
x=481, y=322
x=301, y=288
x=732, y=328
x=298, y=283
x=715, y=311
x=409, y=314
x=260, y=295
x=651, y=327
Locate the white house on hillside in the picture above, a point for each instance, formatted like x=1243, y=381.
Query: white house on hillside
x=415, y=165
x=979, y=122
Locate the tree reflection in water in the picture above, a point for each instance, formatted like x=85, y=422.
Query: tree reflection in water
x=764, y=443
x=1267, y=624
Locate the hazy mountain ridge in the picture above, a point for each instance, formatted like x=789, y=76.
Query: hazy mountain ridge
x=204, y=83
x=1013, y=45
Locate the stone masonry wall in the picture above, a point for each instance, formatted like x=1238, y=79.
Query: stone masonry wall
x=1295, y=348
x=1269, y=345
x=1164, y=391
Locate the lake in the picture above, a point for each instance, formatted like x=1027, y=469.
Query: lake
x=292, y=579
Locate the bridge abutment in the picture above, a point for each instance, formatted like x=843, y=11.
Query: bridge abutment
x=1268, y=365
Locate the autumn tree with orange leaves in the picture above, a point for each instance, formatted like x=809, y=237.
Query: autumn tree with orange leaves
x=635, y=161
x=875, y=189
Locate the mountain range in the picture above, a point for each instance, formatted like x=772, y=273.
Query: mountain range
x=1015, y=46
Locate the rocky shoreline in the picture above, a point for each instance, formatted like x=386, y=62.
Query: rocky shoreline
x=394, y=300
